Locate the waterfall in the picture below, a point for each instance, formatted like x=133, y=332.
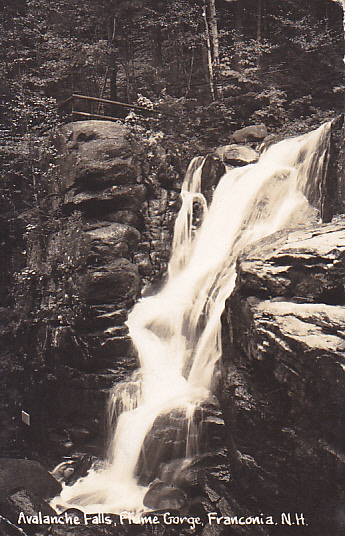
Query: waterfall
x=177, y=332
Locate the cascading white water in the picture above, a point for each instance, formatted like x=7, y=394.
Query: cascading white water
x=177, y=332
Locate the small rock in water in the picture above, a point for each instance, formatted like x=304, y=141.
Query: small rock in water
x=62, y=471
x=81, y=468
x=71, y=470
x=237, y=155
x=161, y=497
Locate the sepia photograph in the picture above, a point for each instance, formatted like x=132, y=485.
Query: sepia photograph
x=172, y=268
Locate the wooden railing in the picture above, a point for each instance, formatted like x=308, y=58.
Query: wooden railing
x=111, y=110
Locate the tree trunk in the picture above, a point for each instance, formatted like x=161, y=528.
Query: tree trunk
x=190, y=74
x=214, y=32
x=258, y=31
x=215, y=42
x=238, y=36
x=156, y=36
x=209, y=53
x=342, y=4
x=111, y=70
x=113, y=77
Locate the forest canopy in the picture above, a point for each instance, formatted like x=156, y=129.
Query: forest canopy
x=259, y=59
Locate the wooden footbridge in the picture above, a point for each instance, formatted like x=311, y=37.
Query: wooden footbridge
x=82, y=107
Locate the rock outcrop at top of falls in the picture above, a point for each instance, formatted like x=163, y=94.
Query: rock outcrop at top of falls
x=283, y=382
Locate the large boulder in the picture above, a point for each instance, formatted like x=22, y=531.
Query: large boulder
x=251, y=133
x=237, y=155
x=96, y=154
x=26, y=474
x=107, y=238
x=308, y=263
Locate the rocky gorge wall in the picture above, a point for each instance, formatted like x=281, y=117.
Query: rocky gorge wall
x=105, y=239
x=103, y=242
x=283, y=386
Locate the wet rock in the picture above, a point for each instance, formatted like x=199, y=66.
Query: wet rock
x=163, y=497
x=118, y=280
x=63, y=471
x=99, y=317
x=81, y=467
x=159, y=217
x=212, y=170
x=96, y=154
x=180, y=473
x=7, y=528
x=175, y=433
x=251, y=133
x=112, y=347
x=142, y=260
x=269, y=140
x=207, y=488
x=166, y=441
x=237, y=155
x=303, y=342
x=334, y=184
x=26, y=474
x=210, y=427
x=221, y=502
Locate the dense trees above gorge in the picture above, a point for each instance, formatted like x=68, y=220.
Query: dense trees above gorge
x=259, y=60
x=121, y=48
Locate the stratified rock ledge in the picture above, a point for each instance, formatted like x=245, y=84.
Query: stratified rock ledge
x=283, y=375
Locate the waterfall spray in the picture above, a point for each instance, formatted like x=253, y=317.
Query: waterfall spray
x=177, y=332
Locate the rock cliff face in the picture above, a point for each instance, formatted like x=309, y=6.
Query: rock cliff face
x=283, y=386
x=103, y=241
x=106, y=238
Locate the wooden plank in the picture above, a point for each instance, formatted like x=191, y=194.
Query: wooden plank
x=97, y=116
x=65, y=102
x=116, y=103
x=75, y=96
